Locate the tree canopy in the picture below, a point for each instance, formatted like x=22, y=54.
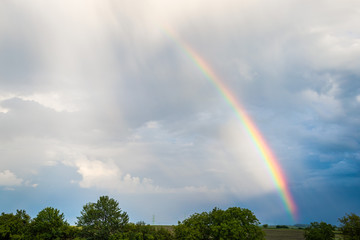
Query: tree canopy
x=350, y=226
x=49, y=224
x=319, y=231
x=102, y=219
x=141, y=231
x=14, y=226
x=233, y=223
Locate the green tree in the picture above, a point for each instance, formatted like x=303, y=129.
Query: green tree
x=234, y=223
x=14, y=226
x=49, y=224
x=163, y=234
x=141, y=231
x=319, y=231
x=102, y=219
x=350, y=226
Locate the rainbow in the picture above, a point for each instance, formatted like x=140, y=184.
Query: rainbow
x=264, y=150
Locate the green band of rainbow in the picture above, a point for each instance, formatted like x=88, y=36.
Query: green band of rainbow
x=268, y=157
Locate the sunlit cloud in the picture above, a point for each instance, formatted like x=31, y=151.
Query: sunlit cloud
x=8, y=178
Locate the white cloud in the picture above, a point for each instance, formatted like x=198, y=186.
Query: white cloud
x=97, y=174
x=53, y=100
x=101, y=174
x=3, y=110
x=3, y=97
x=8, y=179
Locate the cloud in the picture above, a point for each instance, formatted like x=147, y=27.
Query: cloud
x=96, y=174
x=99, y=88
x=9, y=179
x=52, y=100
x=325, y=105
x=108, y=176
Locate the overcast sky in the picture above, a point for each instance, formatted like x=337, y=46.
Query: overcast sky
x=96, y=99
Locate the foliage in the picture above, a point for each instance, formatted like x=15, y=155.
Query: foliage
x=350, y=226
x=234, y=223
x=106, y=221
x=102, y=219
x=319, y=231
x=14, y=226
x=72, y=232
x=164, y=234
x=49, y=224
x=141, y=231
x=282, y=226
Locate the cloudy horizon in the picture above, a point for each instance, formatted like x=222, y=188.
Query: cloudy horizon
x=95, y=99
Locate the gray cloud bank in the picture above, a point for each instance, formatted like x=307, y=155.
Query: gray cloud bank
x=98, y=93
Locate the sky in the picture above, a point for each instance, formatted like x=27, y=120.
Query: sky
x=96, y=99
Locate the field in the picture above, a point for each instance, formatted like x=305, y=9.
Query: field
x=284, y=234
x=290, y=234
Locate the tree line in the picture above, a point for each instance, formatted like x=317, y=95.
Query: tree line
x=104, y=220
x=349, y=227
